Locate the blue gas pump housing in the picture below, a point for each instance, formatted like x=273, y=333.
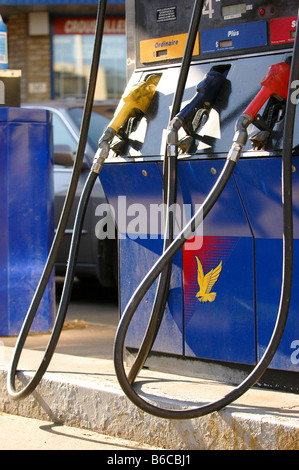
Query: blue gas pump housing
x=238, y=249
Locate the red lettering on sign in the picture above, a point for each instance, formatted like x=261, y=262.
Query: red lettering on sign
x=88, y=25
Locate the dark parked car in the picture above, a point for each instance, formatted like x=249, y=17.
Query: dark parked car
x=96, y=258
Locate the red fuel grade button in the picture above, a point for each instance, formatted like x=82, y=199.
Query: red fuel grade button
x=282, y=30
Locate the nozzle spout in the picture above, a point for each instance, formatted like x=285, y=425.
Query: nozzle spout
x=240, y=137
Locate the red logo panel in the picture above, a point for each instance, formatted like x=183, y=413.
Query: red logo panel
x=282, y=30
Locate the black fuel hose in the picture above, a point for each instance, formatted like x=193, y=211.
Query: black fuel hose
x=49, y=266
x=170, y=192
x=66, y=292
x=286, y=288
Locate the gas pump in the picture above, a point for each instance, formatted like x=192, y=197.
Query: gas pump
x=221, y=295
x=210, y=317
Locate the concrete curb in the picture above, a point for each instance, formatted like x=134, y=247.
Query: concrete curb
x=95, y=401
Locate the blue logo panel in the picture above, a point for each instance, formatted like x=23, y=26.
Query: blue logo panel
x=230, y=38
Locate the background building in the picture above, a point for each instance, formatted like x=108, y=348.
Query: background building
x=51, y=42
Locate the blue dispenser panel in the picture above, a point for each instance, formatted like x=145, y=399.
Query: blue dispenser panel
x=218, y=271
x=259, y=181
x=136, y=259
x=219, y=300
x=134, y=192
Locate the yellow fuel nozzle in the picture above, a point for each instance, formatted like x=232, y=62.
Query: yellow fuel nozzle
x=138, y=99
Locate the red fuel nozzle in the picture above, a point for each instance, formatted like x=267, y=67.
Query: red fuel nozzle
x=275, y=82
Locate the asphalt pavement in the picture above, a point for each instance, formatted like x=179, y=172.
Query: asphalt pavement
x=90, y=325
x=21, y=433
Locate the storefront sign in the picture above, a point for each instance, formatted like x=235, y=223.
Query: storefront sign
x=88, y=25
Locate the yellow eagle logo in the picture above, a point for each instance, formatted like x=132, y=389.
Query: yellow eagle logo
x=206, y=282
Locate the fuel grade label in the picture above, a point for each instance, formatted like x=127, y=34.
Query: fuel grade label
x=242, y=36
x=282, y=30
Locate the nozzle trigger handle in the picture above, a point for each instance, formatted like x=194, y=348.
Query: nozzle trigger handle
x=275, y=82
x=206, y=94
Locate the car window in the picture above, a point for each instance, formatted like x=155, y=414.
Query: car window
x=62, y=135
x=98, y=123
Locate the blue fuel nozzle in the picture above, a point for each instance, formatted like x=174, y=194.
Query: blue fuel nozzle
x=206, y=94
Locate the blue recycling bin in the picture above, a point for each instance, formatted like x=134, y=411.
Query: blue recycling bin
x=26, y=216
